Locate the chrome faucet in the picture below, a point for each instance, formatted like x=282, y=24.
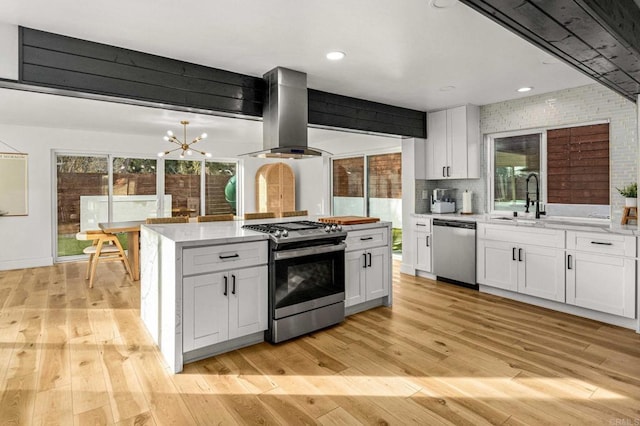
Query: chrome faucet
x=528, y=200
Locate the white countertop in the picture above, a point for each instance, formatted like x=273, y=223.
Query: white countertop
x=551, y=222
x=231, y=231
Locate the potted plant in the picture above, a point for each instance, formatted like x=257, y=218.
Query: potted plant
x=630, y=193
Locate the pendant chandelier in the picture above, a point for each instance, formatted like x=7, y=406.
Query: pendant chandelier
x=182, y=144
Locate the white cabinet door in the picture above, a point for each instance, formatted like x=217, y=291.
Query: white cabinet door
x=355, y=264
x=205, y=310
x=602, y=283
x=377, y=273
x=436, y=146
x=423, y=251
x=247, y=301
x=541, y=272
x=457, y=143
x=497, y=264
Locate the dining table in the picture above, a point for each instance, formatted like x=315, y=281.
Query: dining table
x=132, y=229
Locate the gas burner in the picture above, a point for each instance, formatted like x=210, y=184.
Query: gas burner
x=298, y=231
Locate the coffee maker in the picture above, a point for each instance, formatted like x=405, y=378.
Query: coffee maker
x=443, y=201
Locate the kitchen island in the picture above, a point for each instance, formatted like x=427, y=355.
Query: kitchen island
x=204, y=286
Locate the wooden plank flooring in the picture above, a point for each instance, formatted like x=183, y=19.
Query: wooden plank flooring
x=441, y=355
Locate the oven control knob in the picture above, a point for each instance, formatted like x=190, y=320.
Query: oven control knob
x=327, y=228
x=339, y=228
x=277, y=233
x=334, y=227
x=285, y=233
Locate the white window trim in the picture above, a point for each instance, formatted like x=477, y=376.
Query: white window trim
x=490, y=144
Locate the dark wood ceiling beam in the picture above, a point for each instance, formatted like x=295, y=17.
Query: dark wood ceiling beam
x=600, y=39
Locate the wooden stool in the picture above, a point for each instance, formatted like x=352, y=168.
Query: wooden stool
x=630, y=213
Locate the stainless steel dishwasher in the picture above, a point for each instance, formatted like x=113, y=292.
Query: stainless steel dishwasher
x=454, y=251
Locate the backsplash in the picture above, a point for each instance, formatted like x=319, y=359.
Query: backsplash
x=476, y=186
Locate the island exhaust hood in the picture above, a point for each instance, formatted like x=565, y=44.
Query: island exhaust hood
x=285, y=116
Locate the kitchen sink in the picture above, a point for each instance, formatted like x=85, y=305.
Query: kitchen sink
x=557, y=223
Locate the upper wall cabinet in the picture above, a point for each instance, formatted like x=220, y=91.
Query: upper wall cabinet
x=452, y=149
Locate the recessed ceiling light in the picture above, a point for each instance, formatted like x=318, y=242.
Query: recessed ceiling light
x=525, y=89
x=447, y=88
x=335, y=55
x=442, y=4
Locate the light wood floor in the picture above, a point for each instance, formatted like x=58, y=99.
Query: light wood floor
x=441, y=355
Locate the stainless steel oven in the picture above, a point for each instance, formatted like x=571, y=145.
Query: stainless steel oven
x=306, y=277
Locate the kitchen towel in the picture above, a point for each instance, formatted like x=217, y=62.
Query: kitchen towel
x=467, y=207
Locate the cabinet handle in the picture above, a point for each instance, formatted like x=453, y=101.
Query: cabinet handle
x=366, y=238
x=427, y=241
x=513, y=253
x=233, y=284
x=421, y=224
x=601, y=243
x=443, y=171
x=569, y=261
x=448, y=171
x=231, y=256
x=226, y=285
x=369, y=265
x=519, y=255
x=365, y=260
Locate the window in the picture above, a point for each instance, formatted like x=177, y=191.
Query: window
x=572, y=164
x=381, y=196
x=82, y=191
x=182, y=183
x=100, y=188
x=221, y=191
x=514, y=158
x=134, y=189
x=348, y=187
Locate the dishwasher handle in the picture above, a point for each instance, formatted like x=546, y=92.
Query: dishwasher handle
x=454, y=223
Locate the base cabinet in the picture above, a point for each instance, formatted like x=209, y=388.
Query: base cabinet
x=366, y=274
x=602, y=283
x=536, y=271
x=506, y=261
x=367, y=263
x=224, y=305
x=601, y=272
x=422, y=244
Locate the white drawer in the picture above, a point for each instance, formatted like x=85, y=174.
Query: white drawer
x=367, y=238
x=198, y=260
x=421, y=225
x=522, y=235
x=619, y=245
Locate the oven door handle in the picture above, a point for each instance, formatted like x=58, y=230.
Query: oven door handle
x=308, y=251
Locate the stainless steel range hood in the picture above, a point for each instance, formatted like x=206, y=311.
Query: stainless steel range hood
x=285, y=116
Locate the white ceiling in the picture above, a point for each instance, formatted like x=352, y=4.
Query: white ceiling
x=398, y=52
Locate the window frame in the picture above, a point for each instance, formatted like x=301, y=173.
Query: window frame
x=489, y=144
x=490, y=171
x=365, y=156
x=160, y=186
